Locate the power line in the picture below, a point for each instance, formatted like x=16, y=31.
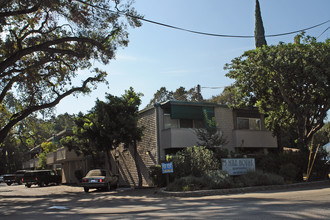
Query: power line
x=199, y=32
x=323, y=32
x=219, y=87
x=227, y=35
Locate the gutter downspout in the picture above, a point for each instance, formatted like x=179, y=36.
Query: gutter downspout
x=158, y=132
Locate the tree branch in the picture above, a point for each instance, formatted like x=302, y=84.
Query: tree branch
x=20, y=12
x=23, y=114
x=19, y=54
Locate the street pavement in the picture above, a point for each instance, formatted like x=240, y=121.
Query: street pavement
x=68, y=202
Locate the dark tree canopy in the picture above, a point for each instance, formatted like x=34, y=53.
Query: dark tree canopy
x=227, y=97
x=45, y=43
x=180, y=94
x=109, y=124
x=259, y=31
x=288, y=82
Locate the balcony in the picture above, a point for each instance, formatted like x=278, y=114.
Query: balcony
x=178, y=138
x=26, y=165
x=51, y=158
x=63, y=154
x=254, y=139
x=30, y=164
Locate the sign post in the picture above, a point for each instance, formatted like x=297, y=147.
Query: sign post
x=166, y=169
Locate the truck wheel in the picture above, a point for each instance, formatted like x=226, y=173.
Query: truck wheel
x=41, y=184
x=86, y=189
x=19, y=182
x=8, y=184
x=28, y=185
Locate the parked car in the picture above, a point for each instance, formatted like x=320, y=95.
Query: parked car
x=14, y=178
x=99, y=179
x=41, y=178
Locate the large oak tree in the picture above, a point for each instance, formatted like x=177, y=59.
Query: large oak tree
x=289, y=82
x=45, y=43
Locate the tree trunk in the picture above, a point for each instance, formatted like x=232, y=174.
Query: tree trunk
x=108, y=158
x=137, y=164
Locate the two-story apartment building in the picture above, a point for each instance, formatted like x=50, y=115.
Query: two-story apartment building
x=62, y=160
x=168, y=127
x=171, y=126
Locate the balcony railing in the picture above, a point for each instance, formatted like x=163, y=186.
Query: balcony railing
x=178, y=138
x=254, y=139
x=31, y=164
x=51, y=158
x=63, y=154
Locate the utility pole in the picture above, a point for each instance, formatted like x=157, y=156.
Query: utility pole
x=199, y=95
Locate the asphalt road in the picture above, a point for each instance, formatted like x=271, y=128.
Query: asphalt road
x=66, y=202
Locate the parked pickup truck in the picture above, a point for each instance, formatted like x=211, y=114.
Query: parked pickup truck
x=41, y=178
x=14, y=178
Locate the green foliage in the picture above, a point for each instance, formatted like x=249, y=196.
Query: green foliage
x=157, y=177
x=62, y=122
x=188, y=183
x=227, y=97
x=322, y=137
x=181, y=94
x=210, y=136
x=45, y=44
x=218, y=179
x=292, y=165
x=47, y=147
x=258, y=178
x=195, y=161
x=289, y=82
x=11, y=155
x=289, y=172
x=259, y=32
x=107, y=125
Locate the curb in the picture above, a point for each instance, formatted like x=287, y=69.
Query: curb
x=241, y=190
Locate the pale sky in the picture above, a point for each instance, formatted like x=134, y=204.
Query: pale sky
x=158, y=56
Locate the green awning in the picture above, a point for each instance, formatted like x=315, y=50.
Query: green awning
x=191, y=112
x=186, y=112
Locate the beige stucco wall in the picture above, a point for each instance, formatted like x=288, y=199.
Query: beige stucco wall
x=224, y=119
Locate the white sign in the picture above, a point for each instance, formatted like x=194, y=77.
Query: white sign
x=238, y=166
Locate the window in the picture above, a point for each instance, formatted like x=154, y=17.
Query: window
x=254, y=124
x=242, y=123
x=199, y=124
x=170, y=123
x=182, y=123
x=248, y=123
x=186, y=123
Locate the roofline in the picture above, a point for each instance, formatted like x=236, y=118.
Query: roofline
x=174, y=102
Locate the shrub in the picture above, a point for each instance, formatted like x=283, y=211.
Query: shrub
x=258, y=178
x=289, y=172
x=188, y=183
x=195, y=161
x=157, y=177
x=218, y=179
